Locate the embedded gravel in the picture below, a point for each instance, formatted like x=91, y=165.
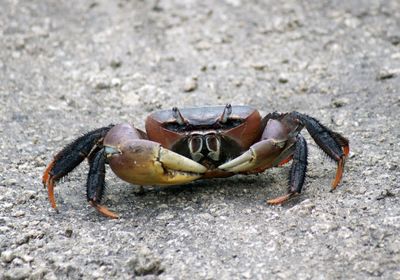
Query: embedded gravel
x=67, y=67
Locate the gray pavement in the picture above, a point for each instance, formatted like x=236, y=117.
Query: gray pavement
x=67, y=67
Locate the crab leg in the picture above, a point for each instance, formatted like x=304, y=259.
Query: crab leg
x=297, y=172
x=281, y=142
x=95, y=184
x=69, y=158
x=332, y=143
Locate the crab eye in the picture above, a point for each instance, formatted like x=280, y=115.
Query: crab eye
x=195, y=147
x=196, y=144
x=213, y=145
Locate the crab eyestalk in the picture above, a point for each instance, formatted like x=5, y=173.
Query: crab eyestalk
x=178, y=116
x=227, y=112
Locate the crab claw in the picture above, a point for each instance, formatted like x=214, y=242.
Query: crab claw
x=145, y=162
x=241, y=163
x=261, y=155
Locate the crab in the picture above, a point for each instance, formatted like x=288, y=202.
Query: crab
x=180, y=146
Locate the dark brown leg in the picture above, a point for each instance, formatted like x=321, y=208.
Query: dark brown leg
x=95, y=183
x=332, y=143
x=297, y=171
x=69, y=158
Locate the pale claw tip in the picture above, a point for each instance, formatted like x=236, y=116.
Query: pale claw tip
x=174, y=161
x=241, y=163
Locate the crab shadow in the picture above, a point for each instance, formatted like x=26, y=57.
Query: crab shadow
x=134, y=201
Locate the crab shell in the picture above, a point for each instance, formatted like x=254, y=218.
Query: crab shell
x=195, y=140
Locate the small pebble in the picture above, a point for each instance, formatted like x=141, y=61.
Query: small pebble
x=18, y=214
x=10, y=181
x=68, y=232
x=17, y=273
x=115, y=63
x=7, y=256
x=386, y=74
x=283, y=79
x=4, y=229
x=39, y=274
x=165, y=216
x=258, y=66
x=116, y=82
x=27, y=258
x=20, y=43
x=102, y=85
x=394, y=39
x=205, y=216
x=145, y=262
x=340, y=102
x=190, y=84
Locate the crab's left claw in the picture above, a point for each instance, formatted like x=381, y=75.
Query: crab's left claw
x=146, y=162
x=261, y=155
x=274, y=148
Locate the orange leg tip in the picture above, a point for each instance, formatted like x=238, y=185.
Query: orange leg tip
x=346, y=150
x=50, y=193
x=339, y=173
x=103, y=210
x=285, y=161
x=46, y=173
x=45, y=178
x=281, y=199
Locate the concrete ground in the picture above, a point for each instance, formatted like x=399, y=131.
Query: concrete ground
x=67, y=67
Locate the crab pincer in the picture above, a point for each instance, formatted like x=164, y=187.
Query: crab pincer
x=274, y=147
x=144, y=162
x=260, y=155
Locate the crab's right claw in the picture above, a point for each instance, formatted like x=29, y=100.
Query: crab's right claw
x=145, y=162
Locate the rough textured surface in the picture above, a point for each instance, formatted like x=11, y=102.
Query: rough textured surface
x=70, y=66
